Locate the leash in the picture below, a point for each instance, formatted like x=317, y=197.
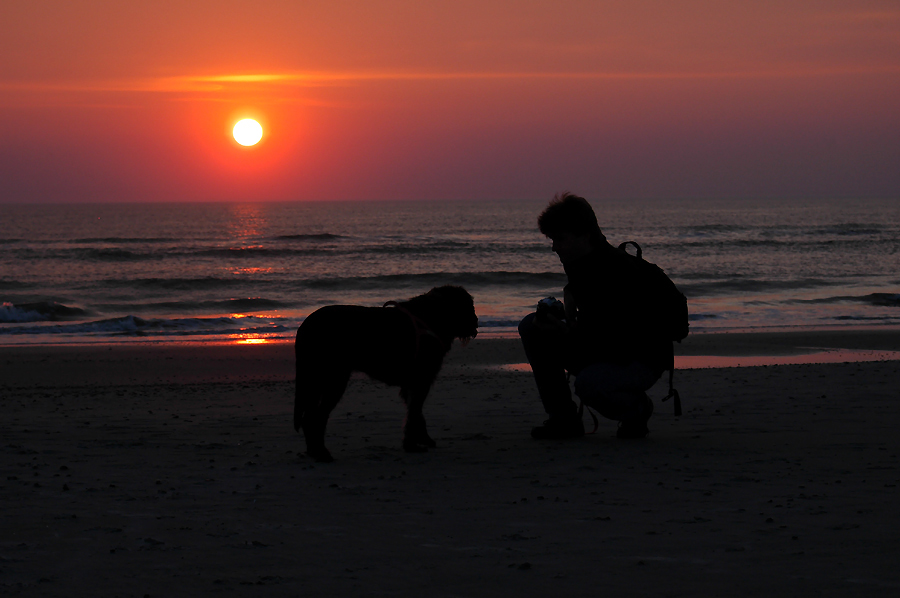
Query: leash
x=673, y=394
x=581, y=408
x=593, y=417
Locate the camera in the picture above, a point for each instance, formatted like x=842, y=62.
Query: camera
x=551, y=306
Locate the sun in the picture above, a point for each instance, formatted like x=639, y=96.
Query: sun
x=247, y=132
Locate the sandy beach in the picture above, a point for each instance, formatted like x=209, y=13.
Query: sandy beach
x=173, y=470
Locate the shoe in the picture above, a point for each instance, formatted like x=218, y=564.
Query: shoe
x=636, y=427
x=559, y=428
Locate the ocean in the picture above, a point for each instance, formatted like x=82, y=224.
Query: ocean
x=165, y=272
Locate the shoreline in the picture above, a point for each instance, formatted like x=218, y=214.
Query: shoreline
x=25, y=340
x=140, y=362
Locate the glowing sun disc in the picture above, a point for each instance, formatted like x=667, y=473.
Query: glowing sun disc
x=247, y=132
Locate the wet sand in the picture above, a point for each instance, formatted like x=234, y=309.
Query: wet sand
x=135, y=470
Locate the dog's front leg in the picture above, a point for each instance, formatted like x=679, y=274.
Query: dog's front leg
x=415, y=433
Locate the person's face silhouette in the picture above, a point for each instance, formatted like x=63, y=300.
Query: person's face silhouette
x=569, y=246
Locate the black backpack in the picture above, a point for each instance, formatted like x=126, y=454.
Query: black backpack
x=666, y=307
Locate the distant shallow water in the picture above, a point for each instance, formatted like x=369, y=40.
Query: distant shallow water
x=212, y=272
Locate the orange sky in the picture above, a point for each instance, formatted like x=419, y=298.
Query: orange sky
x=134, y=101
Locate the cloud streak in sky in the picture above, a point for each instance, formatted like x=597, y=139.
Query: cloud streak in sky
x=220, y=82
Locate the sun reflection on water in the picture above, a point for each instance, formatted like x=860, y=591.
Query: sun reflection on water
x=250, y=340
x=248, y=220
x=252, y=270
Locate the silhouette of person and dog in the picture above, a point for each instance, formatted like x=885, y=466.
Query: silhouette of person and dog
x=613, y=332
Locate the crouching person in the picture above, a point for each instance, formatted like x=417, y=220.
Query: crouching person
x=602, y=333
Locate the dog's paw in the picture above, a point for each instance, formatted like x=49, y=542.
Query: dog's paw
x=320, y=454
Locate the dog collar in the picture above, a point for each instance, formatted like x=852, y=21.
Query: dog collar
x=420, y=326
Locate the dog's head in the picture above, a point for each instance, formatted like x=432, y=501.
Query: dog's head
x=452, y=312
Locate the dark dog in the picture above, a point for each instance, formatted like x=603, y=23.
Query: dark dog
x=401, y=344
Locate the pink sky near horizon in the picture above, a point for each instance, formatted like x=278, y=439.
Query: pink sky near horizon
x=126, y=101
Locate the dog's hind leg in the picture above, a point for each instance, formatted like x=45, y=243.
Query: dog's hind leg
x=307, y=397
x=415, y=433
x=331, y=387
x=307, y=391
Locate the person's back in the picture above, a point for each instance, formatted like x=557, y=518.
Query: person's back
x=613, y=320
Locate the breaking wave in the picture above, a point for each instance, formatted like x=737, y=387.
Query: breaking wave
x=136, y=326
x=44, y=311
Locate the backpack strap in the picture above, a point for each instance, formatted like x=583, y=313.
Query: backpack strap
x=673, y=394
x=623, y=246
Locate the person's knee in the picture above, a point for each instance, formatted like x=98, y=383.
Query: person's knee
x=526, y=326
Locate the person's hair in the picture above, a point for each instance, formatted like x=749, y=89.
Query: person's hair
x=572, y=214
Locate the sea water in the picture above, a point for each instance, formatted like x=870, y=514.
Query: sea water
x=211, y=272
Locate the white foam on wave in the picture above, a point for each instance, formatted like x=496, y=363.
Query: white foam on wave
x=134, y=325
x=9, y=313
